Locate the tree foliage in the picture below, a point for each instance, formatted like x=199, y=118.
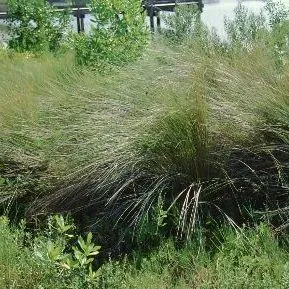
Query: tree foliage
x=33, y=26
x=118, y=34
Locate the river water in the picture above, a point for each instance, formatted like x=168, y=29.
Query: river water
x=213, y=13
x=216, y=10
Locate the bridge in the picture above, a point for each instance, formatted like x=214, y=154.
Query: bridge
x=154, y=7
x=81, y=7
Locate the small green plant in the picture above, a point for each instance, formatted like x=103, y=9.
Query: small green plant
x=43, y=261
x=34, y=26
x=152, y=226
x=56, y=248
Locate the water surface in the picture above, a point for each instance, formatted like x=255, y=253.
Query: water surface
x=215, y=11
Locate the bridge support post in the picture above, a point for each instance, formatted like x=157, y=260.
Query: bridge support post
x=201, y=5
x=152, y=21
x=80, y=21
x=78, y=24
x=158, y=21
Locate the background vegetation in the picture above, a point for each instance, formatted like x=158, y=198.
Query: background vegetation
x=253, y=258
x=34, y=27
x=117, y=36
x=177, y=163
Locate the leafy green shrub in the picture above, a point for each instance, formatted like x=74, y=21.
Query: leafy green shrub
x=55, y=247
x=118, y=34
x=33, y=26
x=245, y=27
x=278, y=38
x=47, y=260
x=18, y=266
x=184, y=23
x=277, y=12
x=270, y=28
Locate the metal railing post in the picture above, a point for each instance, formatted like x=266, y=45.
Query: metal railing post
x=151, y=14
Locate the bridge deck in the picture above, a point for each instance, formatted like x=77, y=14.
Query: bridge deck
x=84, y=9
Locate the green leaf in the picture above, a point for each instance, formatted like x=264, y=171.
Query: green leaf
x=89, y=238
x=81, y=243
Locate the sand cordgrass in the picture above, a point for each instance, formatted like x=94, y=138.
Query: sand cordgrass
x=205, y=132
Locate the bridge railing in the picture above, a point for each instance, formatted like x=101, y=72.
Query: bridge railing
x=154, y=7
x=79, y=8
